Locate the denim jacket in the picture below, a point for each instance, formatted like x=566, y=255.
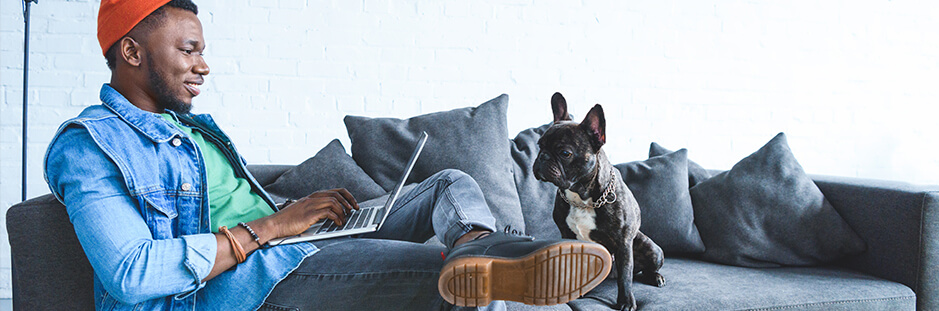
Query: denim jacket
x=135, y=190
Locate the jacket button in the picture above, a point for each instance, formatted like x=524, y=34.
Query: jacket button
x=186, y=186
x=176, y=142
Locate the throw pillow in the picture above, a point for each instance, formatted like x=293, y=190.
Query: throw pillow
x=330, y=168
x=766, y=212
x=536, y=197
x=696, y=173
x=660, y=185
x=471, y=139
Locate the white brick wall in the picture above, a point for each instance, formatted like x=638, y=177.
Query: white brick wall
x=853, y=83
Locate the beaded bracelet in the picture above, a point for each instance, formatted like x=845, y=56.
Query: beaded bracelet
x=250, y=231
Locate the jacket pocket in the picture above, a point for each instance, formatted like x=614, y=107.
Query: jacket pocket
x=161, y=202
x=159, y=212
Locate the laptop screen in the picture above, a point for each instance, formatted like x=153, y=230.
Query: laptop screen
x=404, y=177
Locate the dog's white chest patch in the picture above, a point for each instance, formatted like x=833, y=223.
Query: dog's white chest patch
x=581, y=220
x=574, y=197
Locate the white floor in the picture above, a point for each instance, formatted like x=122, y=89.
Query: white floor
x=6, y=304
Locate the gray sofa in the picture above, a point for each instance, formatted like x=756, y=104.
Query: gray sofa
x=898, y=271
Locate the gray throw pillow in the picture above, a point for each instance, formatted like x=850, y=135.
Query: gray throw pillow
x=536, y=197
x=696, y=173
x=766, y=212
x=660, y=185
x=471, y=139
x=330, y=168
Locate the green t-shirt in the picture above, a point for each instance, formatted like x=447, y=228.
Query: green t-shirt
x=230, y=198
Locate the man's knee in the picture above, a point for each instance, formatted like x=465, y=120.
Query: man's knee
x=454, y=179
x=453, y=176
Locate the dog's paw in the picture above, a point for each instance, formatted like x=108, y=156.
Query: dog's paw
x=659, y=280
x=655, y=279
x=626, y=303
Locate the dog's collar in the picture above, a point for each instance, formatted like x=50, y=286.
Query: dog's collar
x=608, y=196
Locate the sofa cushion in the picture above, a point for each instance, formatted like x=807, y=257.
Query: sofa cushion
x=330, y=168
x=698, y=285
x=766, y=212
x=696, y=173
x=536, y=197
x=518, y=306
x=471, y=139
x=660, y=185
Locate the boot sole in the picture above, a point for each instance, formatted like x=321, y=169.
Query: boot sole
x=551, y=275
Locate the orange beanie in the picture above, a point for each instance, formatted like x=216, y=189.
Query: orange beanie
x=117, y=17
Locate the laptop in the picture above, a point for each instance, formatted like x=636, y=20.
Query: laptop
x=365, y=219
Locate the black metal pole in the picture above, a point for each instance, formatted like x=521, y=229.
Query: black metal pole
x=25, y=86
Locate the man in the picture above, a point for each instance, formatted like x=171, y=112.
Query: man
x=170, y=219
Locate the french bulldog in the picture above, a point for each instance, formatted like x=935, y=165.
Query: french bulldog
x=593, y=203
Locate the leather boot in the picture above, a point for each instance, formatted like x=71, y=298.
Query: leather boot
x=501, y=266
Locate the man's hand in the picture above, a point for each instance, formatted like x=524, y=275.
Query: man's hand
x=300, y=215
x=290, y=220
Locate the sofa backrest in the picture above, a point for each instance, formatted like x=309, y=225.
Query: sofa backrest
x=266, y=174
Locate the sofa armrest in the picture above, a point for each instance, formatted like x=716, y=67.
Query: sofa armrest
x=50, y=270
x=900, y=224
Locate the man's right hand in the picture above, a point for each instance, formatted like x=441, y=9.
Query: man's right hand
x=295, y=218
x=289, y=221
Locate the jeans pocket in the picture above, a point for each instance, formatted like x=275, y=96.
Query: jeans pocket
x=267, y=306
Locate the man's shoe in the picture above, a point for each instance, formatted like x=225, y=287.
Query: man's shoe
x=507, y=267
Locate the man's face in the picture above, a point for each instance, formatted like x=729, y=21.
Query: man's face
x=173, y=60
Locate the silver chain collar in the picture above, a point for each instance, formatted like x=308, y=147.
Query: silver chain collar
x=609, y=195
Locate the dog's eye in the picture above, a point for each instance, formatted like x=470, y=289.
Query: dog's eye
x=565, y=153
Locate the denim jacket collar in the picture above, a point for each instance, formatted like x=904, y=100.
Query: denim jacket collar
x=143, y=121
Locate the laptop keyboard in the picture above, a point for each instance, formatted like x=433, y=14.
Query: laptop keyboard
x=356, y=219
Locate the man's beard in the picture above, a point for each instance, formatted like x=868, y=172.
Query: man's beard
x=164, y=97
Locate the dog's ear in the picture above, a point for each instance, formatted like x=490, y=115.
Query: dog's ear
x=595, y=125
x=559, y=107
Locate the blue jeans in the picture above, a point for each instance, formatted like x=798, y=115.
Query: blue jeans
x=390, y=269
